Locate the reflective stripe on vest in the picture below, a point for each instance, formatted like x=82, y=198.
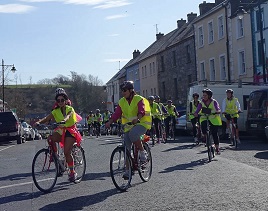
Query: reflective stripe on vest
x=214, y=119
x=170, y=110
x=130, y=111
x=58, y=116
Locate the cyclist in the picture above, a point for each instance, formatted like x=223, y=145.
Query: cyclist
x=66, y=135
x=231, y=105
x=90, y=121
x=172, y=113
x=163, y=111
x=98, y=122
x=214, y=120
x=136, y=109
x=194, y=120
x=156, y=115
x=106, y=116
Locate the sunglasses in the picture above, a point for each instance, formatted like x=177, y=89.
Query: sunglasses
x=123, y=90
x=60, y=100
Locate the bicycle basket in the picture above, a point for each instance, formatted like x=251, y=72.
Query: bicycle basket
x=206, y=110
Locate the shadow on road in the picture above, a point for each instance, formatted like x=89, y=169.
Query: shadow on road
x=182, y=147
x=262, y=155
x=97, y=176
x=186, y=166
x=14, y=177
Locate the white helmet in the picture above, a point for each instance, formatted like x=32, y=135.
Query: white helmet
x=60, y=91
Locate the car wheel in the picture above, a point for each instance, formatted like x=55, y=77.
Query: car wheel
x=19, y=140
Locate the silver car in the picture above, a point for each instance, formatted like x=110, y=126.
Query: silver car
x=28, y=131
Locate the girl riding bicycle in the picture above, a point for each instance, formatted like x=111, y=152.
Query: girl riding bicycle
x=67, y=134
x=214, y=120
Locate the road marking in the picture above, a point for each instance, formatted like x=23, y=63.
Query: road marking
x=6, y=148
x=20, y=184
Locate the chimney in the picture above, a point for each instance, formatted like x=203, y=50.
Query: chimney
x=136, y=53
x=191, y=16
x=180, y=23
x=159, y=35
x=205, y=7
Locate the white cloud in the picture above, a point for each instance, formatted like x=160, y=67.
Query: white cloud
x=113, y=35
x=113, y=3
x=115, y=16
x=116, y=60
x=15, y=8
x=37, y=1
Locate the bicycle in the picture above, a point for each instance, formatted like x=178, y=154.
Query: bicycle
x=123, y=160
x=171, y=131
x=48, y=165
x=208, y=137
x=233, y=137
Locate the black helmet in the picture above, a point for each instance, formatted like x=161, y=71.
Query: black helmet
x=97, y=110
x=61, y=92
x=229, y=91
x=208, y=91
x=91, y=112
x=151, y=98
x=195, y=94
x=169, y=101
x=156, y=97
x=127, y=85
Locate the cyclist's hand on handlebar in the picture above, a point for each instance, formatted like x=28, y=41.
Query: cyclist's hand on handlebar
x=61, y=123
x=135, y=121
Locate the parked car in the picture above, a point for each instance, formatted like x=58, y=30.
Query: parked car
x=10, y=127
x=43, y=130
x=28, y=131
x=181, y=123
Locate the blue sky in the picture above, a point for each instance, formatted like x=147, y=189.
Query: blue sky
x=45, y=38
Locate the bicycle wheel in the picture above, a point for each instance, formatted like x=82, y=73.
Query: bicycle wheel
x=145, y=169
x=208, y=143
x=118, y=168
x=234, y=136
x=44, y=170
x=79, y=162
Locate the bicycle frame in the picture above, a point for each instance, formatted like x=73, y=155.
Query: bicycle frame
x=232, y=127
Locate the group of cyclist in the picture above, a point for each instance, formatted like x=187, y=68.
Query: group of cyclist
x=230, y=106
x=138, y=114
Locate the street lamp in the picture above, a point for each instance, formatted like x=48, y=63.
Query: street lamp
x=4, y=67
x=240, y=14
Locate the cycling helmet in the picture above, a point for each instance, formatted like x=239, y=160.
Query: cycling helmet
x=195, y=94
x=208, y=91
x=97, y=110
x=169, y=101
x=127, y=85
x=61, y=91
x=151, y=98
x=157, y=97
x=229, y=91
x=91, y=112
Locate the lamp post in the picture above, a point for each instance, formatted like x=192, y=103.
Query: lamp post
x=240, y=14
x=4, y=67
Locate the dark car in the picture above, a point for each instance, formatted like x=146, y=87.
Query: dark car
x=10, y=127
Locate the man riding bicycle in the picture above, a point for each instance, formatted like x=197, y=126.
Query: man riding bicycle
x=231, y=106
x=172, y=113
x=156, y=116
x=98, y=122
x=214, y=119
x=66, y=135
x=135, y=109
x=90, y=122
x=194, y=120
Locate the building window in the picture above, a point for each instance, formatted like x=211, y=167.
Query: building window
x=202, y=71
x=258, y=21
x=240, y=28
x=222, y=68
x=200, y=37
x=241, y=62
x=151, y=70
x=212, y=70
x=188, y=55
x=162, y=63
x=174, y=58
x=145, y=71
x=260, y=46
x=210, y=33
x=154, y=91
x=138, y=74
x=221, y=27
x=142, y=72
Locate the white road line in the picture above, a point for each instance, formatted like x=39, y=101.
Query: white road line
x=6, y=148
x=20, y=184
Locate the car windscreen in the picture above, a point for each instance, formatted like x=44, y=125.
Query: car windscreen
x=7, y=116
x=257, y=99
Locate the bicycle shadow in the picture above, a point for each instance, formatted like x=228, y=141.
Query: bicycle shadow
x=182, y=147
x=262, y=155
x=186, y=166
x=15, y=177
x=96, y=176
x=81, y=202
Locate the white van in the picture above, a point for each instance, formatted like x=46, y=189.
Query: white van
x=241, y=92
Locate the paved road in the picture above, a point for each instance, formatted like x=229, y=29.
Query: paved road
x=182, y=179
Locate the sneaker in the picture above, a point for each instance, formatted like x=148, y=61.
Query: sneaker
x=72, y=176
